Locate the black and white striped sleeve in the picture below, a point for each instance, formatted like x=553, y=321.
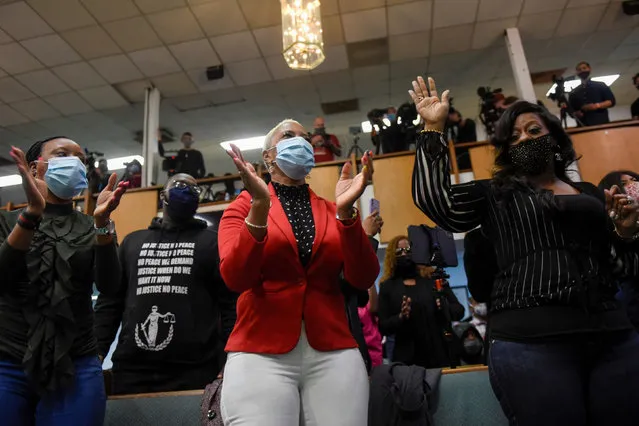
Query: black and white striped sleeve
x=456, y=208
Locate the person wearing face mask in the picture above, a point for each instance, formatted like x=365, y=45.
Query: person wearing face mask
x=411, y=309
x=591, y=99
x=176, y=313
x=291, y=357
x=634, y=108
x=325, y=145
x=470, y=343
x=50, y=257
x=563, y=351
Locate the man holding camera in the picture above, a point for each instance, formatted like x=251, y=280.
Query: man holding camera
x=325, y=146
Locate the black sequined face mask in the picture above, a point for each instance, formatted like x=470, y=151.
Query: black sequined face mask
x=533, y=156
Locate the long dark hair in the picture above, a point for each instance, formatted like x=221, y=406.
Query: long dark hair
x=614, y=178
x=506, y=177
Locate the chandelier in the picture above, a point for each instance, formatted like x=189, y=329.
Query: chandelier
x=302, y=34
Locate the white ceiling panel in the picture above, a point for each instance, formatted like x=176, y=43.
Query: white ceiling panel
x=346, y=6
x=448, y=13
x=43, y=82
x=297, y=86
x=365, y=25
x=220, y=17
x=236, y=47
x=63, y=14
x=408, y=46
x=452, y=39
x=133, y=34
x=155, y=62
x=133, y=91
x=623, y=52
x=539, y=26
x=332, y=31
x=116, y=69
x=581, y=3
x=409, y=18
x=69, y=103
x=51, y=50
x=199, y=78
x=2, y=74
x=539, y=6
x=491, y=33
x=79, y=75
x=152, y=6
x=249, y=72
x=408, y=69
x=10, y=117
x=21, y=22
x=5, y=38
x=111, y=10
x=615, y=19
x=580, y=21
x=260, y=13
x=15, y=59
x=280, y=69
x=498, y=9
x=91, y=42
x=35, y=109
x=104, y=97
x=336, y=59
x=329, y=7
x=197, y=54
x=174, y=85
x=269, y=40
x=176, y=26
x=12, y=91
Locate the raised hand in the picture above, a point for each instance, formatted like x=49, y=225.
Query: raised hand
x=108, y=200
x=253, y=183
x=373, y=224
x=33, y=188
x=348, y=189
x=623, y=210
x=405, y=312
x=433, y=111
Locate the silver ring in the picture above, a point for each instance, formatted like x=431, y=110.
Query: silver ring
x=420, y=98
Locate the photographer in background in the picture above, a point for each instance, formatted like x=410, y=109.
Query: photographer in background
x=461, y=130
x=634, y=108
x=190, y=161
x=591, y=99
x=325, y=146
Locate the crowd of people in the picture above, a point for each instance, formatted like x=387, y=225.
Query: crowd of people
x=280, y=301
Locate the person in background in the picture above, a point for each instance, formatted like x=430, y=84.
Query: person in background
x=634, y=108
x=325, y=145
x=190, y=161
x=291, y=356
x=479, y=318
x=50, y=257
x=175, y=310
x=461, y=130
x=591, y=99
x=411, y=308
x=103, y=173
x=471, y=346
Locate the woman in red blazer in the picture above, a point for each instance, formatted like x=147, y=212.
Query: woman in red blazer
x=292, y=359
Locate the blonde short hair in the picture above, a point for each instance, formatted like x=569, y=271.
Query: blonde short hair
x=268, y=140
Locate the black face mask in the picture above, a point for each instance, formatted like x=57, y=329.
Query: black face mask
x=406, y=268
x=182, y=203
x=584, y=75
x=533, y=156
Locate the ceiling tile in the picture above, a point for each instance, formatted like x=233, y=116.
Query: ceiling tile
x=366, y=53
x=104, y=97
x=69, y=103
x=336, y=59
x=4, y=38
x=249, y=72
x=280, y=69
x=133, y=91
x=174, y=85
x=497, y=9
x=10, y=117
x=297, y=86
x=346, y=6
x=152, y=6
x=372, y=73
x=491, y=33
x=51, y=50
x=447, y=12
x=615, y=19
x=14, y=59
x=269, y=40
x=43, y=82
x=133, y=34
x=407, y=46
x=358, y=27
x=116, y=69
x=539, y=6
x=332, y=32
x=633, y=38
x=111, y=10
x=579, y=21
x=79, y=75
x=581, y=3
x=452, y=39
x=409, y=17
x=452, y=62
x=204, y=84
x=236, y=47
x=21, y=22
x=332, y=79
x=605, y=40
x=2, y=74
x=540, y=26
x=35, y=109
x=176, y=26
x=12, y=91
x=63, y=14
x=329, y=8
x=220, y=17
x=196, y=54
x=155, y=62
x=625, y=51
x=260, y=13
x=91, y=42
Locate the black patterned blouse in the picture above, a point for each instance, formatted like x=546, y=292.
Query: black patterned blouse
x=296, y=201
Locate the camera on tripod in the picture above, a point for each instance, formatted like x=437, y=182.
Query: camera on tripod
x=488, y=112
x=559, y=96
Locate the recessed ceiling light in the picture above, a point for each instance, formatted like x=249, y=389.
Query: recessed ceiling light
x=246, y=144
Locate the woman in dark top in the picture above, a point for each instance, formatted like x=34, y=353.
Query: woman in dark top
x=563, y=352
x=49, y=259
x=411, y=308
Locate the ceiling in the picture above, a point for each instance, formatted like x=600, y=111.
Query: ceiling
x=80, y=67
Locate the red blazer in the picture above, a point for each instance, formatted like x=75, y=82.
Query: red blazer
x=277, y=292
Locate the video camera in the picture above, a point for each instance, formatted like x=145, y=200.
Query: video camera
x=559, y=96
x=393, y=134
x=488, y=112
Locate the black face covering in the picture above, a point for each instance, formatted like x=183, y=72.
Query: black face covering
x=584, y=75
x=182, y=203
x=406, y=268
x=533, y=156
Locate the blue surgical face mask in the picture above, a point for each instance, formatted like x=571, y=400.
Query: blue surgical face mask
x=182, y=203
x=66, y=177
x=295, y=157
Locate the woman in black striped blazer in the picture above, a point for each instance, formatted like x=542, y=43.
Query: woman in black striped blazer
x=563, y=352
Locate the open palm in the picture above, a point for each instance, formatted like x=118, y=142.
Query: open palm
x=253, y=183
x=35, y=199
x=349, y=189
x=432, y=110
x=109, y=198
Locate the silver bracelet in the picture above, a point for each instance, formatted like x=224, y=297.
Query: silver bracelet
x=252, y=225
x=355, y=213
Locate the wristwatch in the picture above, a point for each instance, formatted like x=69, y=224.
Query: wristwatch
x=109, y=229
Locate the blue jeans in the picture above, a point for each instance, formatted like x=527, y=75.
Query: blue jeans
x=592, y=381
x=82, y=404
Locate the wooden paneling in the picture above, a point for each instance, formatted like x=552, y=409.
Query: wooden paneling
x=482, y=159
x=323, y=179
x=392, y=187
x=136, y=211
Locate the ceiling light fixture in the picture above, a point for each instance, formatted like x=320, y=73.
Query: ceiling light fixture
x=246, y=144
x=121, y=162
x=302, y=34
x=570, y=85
x=10, y=180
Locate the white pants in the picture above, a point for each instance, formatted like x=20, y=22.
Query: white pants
x=303, y=387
